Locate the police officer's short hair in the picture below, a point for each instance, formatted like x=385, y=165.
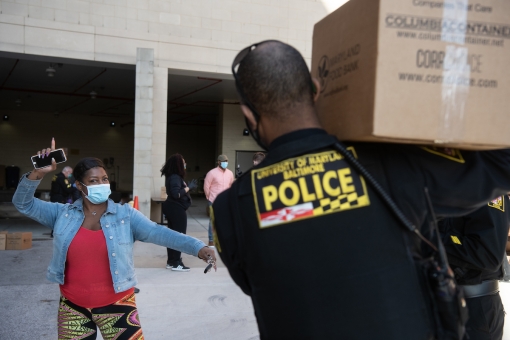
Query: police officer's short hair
x=274, y=78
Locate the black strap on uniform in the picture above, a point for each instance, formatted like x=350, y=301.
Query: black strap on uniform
x=380, y=191
x=440, y=247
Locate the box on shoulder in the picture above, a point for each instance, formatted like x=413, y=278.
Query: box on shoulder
x=18, y=241
x=407, y=71
x=163, y=193
x=3, y=238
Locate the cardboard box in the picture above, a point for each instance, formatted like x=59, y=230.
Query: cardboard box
x=18, y=241
x=427, y=72
x=2, y=241
x=163, y=193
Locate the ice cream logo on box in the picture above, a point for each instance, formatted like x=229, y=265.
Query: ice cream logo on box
x=331, y=69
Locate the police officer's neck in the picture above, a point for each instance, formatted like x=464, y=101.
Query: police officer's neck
x=272, y=128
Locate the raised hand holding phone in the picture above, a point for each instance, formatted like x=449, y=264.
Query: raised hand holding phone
x=38, y=174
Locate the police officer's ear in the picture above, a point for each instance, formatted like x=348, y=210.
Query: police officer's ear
x=249, y=116
x=316, y=89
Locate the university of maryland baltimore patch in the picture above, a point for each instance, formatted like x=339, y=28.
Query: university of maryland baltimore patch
x=448, y=153
x=306, y=187
x=498, y=203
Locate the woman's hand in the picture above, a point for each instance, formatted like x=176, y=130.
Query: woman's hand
x=38, y=174
x=208, y=255
x=193, y=184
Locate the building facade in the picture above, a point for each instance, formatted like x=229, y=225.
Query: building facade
x=158, y=70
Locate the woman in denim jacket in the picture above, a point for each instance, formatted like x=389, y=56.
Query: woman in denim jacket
x=93, y=251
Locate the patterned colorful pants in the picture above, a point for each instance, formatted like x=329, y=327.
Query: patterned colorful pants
x=117, y=321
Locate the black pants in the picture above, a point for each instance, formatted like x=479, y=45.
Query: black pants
x=486, y=318
x=178, y=221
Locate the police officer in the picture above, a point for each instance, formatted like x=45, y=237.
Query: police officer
x=61, y=187
x=304, y=235
x=75, y=193
x=476, y=244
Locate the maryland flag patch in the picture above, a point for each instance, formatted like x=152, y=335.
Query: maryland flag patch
x=306, y=187
x=448, y=153
x=498, y=203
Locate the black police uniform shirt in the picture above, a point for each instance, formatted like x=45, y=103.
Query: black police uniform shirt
x=61, y=188
x=320, y=254
x=476, y=243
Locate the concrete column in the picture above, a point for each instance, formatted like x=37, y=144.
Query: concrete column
x=159, y=123
x=150, y=128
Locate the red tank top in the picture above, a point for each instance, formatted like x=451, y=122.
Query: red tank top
x=88, y=281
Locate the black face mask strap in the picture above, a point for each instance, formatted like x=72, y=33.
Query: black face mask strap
x=244, y=101
x=255, y=134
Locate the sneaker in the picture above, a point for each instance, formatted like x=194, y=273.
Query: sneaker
x=169, y=266
x=180, y=268
x=210, y=244
x=137, y=290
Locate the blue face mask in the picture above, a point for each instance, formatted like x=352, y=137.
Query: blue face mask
x=98, y=193
x=224, y=165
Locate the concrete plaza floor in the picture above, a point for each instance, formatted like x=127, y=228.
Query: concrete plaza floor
x=172, y=305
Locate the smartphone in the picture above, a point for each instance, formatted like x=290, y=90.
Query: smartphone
x=58, y=155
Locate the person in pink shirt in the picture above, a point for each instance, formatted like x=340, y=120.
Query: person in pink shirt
x=217, y=180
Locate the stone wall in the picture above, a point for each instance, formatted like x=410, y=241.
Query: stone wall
x=200, y=35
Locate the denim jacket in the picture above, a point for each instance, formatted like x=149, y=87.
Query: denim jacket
x=122, y=226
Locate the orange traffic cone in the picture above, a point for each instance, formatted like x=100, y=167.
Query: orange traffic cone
x=135, y=205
